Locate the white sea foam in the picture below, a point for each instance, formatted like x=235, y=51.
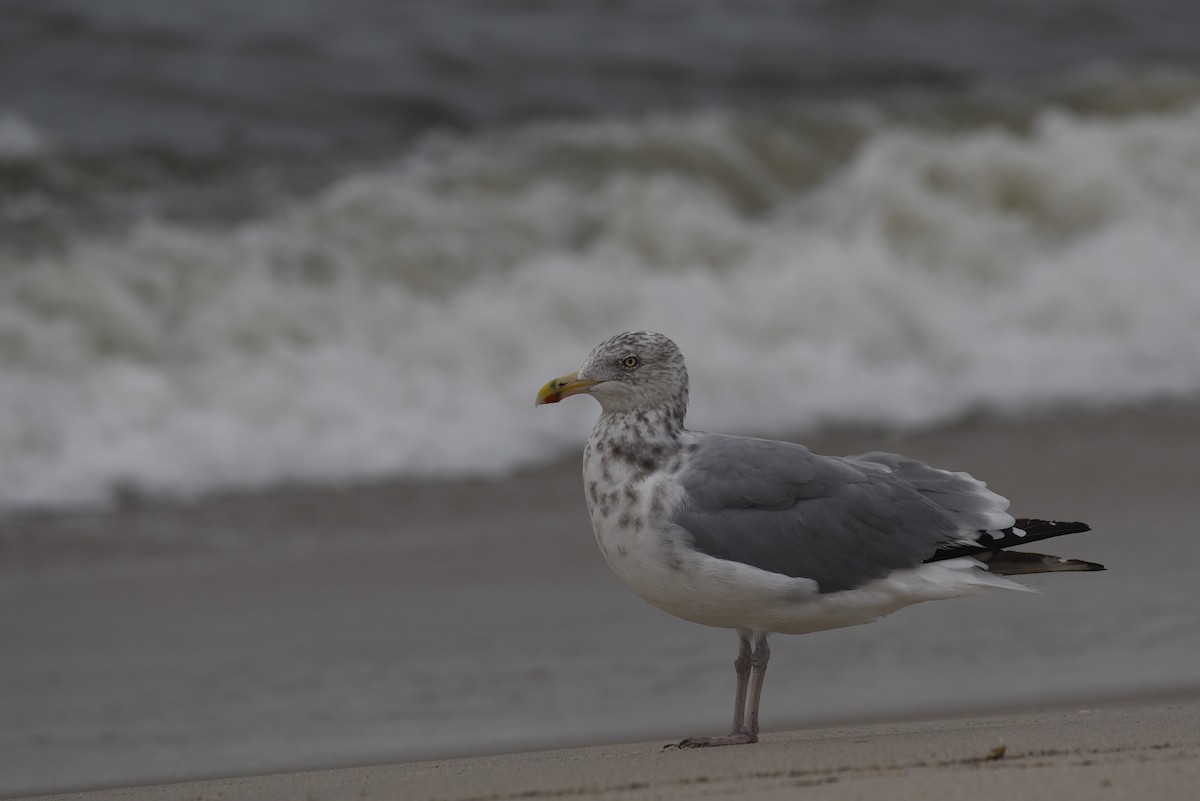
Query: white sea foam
x=19, y=138
x=400, y=322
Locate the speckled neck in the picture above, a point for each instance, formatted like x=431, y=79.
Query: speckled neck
x=643, y=440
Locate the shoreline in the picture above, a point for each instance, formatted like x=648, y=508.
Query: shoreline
x=154, y=526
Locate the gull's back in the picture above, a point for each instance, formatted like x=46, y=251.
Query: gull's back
x=841, y=522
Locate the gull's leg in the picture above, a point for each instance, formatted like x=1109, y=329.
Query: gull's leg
x=762, y=655
x=745, y=661
x=742, y=666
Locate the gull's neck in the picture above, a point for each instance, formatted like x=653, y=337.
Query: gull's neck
x=643, y=439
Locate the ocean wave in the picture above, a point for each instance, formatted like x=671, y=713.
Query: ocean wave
x=852, y=268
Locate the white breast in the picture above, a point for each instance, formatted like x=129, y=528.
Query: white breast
x=630, y=510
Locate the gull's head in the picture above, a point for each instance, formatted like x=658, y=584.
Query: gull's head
x=634, y=371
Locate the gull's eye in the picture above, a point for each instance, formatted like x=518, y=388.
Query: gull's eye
x=630, y=362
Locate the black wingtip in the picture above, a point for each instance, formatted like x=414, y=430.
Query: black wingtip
x=1017, y=563
x=1024, y=531
x=1042, y=529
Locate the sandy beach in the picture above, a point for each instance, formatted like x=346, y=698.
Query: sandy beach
x=1147, y=750
x=304, y=630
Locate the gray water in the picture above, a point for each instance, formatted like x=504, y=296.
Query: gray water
x=315, y=76
x=217, y=109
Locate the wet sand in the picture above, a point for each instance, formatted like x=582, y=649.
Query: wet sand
x=305, y=629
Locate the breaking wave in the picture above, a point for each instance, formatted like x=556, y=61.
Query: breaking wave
x=844, y=267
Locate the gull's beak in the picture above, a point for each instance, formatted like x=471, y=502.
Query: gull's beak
x=562, y=387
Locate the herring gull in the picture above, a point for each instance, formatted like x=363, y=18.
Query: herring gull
x=766, y=537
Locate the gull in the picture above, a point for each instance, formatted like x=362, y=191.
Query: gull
x=762, y=536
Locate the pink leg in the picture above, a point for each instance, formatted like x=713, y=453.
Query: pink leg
x=762, y=655
x=743, y=731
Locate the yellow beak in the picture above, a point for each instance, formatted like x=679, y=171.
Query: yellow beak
x=563, y=387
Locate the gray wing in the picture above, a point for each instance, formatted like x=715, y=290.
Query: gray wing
x=975, y=506
x=841, y=522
